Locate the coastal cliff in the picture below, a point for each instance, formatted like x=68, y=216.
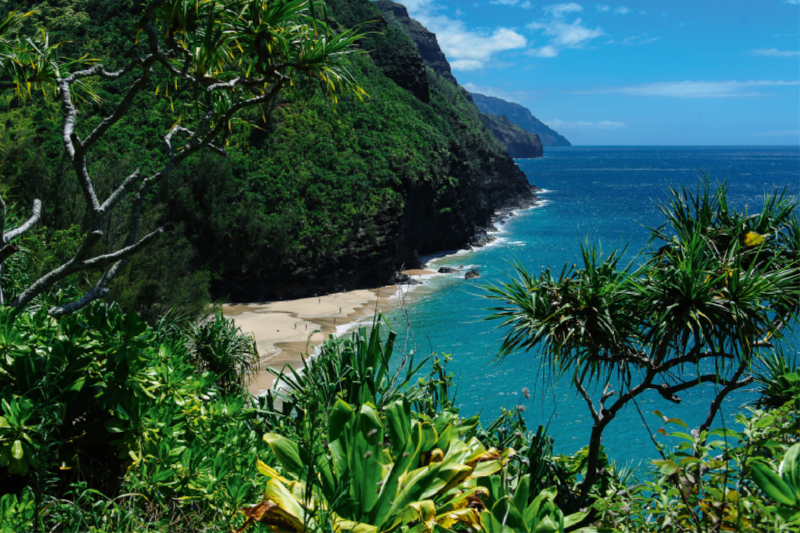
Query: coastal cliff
x=396, y=15
x=520, y=116
x=317, y=197
x=519, y=142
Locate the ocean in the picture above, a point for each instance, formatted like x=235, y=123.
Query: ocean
x=607, y=195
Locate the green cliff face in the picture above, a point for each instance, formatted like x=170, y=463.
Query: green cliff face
x=519, y=142
x=522, y=117
x=318, y=197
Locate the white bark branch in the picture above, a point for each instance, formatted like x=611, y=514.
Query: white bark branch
x=24, y=227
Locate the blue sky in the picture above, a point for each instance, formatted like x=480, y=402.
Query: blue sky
x=679, y=72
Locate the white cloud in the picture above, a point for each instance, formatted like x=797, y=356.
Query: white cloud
x=636, y=40
x=523, y=5
x=778, y=133
x=603, y=125
x=559, y=10
x=774, y=52
x=793, y=2
x=465, y=49
x=544, y=51
x=416, y=5
x=697, y=89
x=499, y=92
x=622, y=10
x=565, y=35
x=602, y=8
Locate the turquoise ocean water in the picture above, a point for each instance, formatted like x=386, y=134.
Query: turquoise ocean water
x=605, y=194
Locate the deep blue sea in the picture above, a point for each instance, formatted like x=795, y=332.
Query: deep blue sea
x=605, y=194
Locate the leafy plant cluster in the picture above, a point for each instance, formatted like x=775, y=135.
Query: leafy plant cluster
x=109, y=424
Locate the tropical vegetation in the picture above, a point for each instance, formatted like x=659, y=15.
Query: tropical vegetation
x=123, y=402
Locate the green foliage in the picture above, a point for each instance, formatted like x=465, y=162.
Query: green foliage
x=733, y=482
x=101, y=401
x=779, y=378
x=720, y=289
x=217, y=345
x=312, y=184
x=508, y=510
x=424, y=477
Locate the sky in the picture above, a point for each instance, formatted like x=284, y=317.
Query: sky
x=643, y=72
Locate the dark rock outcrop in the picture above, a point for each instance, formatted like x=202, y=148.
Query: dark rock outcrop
x=427, y=44
x=447, y=270
x=405, y=279
x=472, y=274
x=520, y=116
x=519, y=142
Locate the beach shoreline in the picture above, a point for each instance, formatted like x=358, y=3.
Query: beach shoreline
x=285, y=331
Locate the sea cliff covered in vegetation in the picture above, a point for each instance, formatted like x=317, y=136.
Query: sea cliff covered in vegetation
x=317, y=197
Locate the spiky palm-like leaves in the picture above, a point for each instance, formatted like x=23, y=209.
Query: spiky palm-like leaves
x=722, y=286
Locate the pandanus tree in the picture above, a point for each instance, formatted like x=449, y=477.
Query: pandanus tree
x=722, y=288
x=213, y=60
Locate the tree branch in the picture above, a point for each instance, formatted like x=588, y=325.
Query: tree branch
x=120, y=192
x=8, y=250
x=28, y=224
x=730, y=386
x=586, y=397
x=690, y=358
x=77, y=264
x=124, y=104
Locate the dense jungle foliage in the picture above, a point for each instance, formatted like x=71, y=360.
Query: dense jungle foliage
x=312, y=183
x=109, y=424
x=132, y=414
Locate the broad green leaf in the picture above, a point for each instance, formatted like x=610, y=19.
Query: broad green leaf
x=490, y=523
x=398, y=418
x=772, y=484
x=16, y=450
x=667, y=467
x=288, y=454
x=364, y=459
x=522, y=493
x=790, y=469
x=268, y=471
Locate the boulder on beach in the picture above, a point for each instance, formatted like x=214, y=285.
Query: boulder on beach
x=404, y=279
x=472, y=274
x=447, y=270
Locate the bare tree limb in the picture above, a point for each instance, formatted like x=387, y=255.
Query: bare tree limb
x=123, y=106
x=586, y=397
x=730, y=386
x=78, y=263
x=25, y=226
x=691, y=358
x=120, y=192
x=8, y=250
x=99, y=290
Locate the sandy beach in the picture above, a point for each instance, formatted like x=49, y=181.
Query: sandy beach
x=284, y=330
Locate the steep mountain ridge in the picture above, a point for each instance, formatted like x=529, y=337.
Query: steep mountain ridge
x=519, y=142
x=396, y=15
x=521, y=116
